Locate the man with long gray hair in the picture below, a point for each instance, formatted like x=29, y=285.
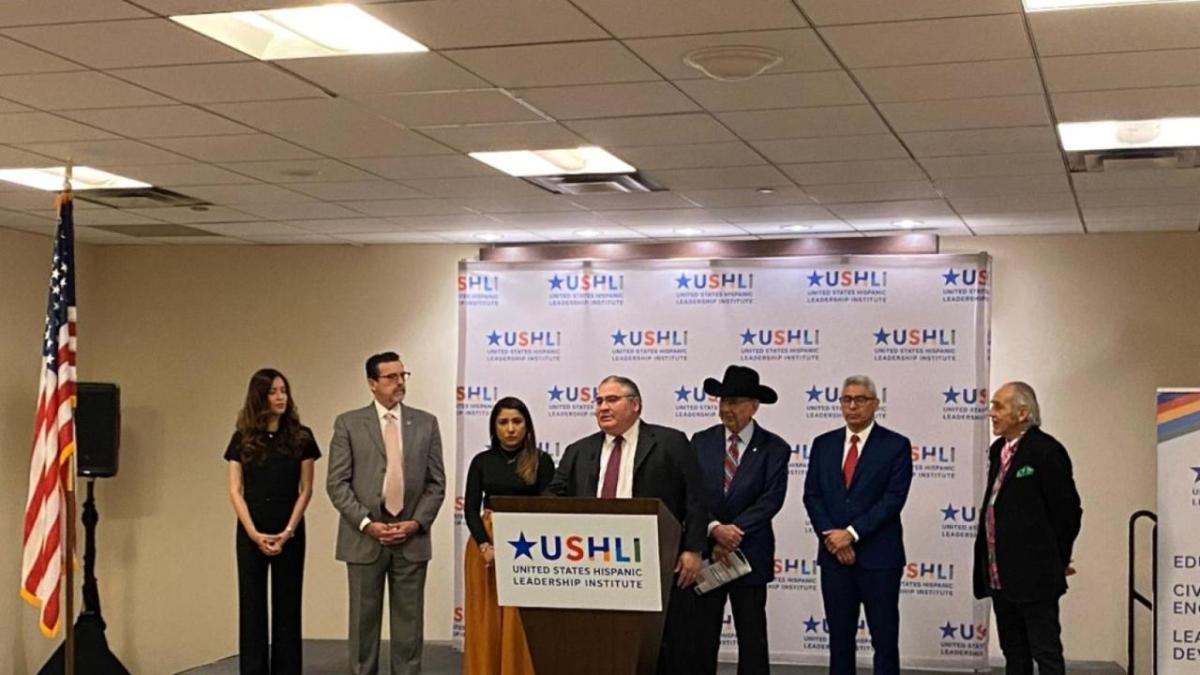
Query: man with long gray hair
x=1031, y=516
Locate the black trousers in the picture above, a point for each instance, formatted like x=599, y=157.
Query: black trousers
x=846, y=589
x=286, y=572
x=1029, y=632
x=749, y=605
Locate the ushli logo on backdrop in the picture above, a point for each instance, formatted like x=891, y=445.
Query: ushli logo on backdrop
x=965, y=285
x=575, y=560
x=816, y=634
x=780, y=344
x=475, y=400
x=928, y=578
x=959, y=522
x=965, y=403
x=962, y=639
x=794, y=574
x=714, y=288
x=581, y=289
x=859, y=286
x=916, y=344
x=650, y=344
x=825, y=402
x=571, y=400
x=478, y=290
x=692, y=402
x=798, y=464
x=524, y=345
x=935, y=462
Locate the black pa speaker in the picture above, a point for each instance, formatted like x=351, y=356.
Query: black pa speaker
x=97, y=428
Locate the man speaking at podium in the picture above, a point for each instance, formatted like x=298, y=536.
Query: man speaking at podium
x=631, y=458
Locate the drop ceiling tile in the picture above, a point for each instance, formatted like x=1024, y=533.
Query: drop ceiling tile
x=299, y=171
x=805, y=122
x=821, y=173
x=456, y=107
x=126, y=44
x=89, y=235
x=633, y=200
x=633, y=18
x=608, y=100
x=979, y=113
x=775, y=214
x=1180, y=225
x=375, y=140
x=699, y=155
x=788, y=90
x=355, y=190
x=983, y=38
x=792, y=230
x=441, y=166
x=102, y=154
x=297, y=210
x=1108, y=214
x=724, y=177
x=181, y=175
x=929, y=211
x=474, y=187
x=213, y=240
x=1004, y=185
x=109, y=216
x=67, y=91
x=555, y=64
x=653, y=130
x=602, y=233
x=405, y=207
x=218, y=83
x=385, y=73
x=1064, y=222
x=683, y=231
x=714, y=200
x=556, y=219
x=981, y=141
x=32, y=127
x=252, y=230
x=27, y=199
x=1148, y=197
x=1124, y=180
x=29, y=12
x=394, y=238
x=1125, y=104
x=234, y=148
x=847, y=193
x=1117, y=29
x=259, y=193
x=800, y=49
x=184, y=215
x=10, y=107
x=508, y=235
x=158, y=121
x=517, y=136
x=449, y=24
x=450, y=222
x=832, y=12
x=944, y=227
x=835, y=149
x=544, y=202
x=940, y=81
x=12, y=158
x=1057, y=202
x=18, y=58
x=1128, y=70
x=342, y=226
x=978, y=166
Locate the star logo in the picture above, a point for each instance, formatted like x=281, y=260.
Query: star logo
x=555, y=393
x=748, y=337
x=810, y=626
x=814, y=279
x=522, y=547
x=493, y=338
x=881, y=336
x=618, y=338
x=556, y=283
x=1197, y=470
x=951, y=395
x=951, y=278
x=948, y=631
x=681, y=394
x=949, y=513
x=681, y=281
x=814, y=394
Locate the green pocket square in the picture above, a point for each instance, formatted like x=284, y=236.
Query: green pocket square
x=1024, y=471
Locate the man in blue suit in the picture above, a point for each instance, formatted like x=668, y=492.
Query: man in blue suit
x=745, y=475
x=857, y=483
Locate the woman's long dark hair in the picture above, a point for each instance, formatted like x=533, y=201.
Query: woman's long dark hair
x=256, y=413
x=527, y=456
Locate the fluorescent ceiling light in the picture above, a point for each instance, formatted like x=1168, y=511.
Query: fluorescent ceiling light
x=587, y=234
x=302, y=32
x=1170, y=132
x=908, y=223
x=1050, y=5
x=689, y=231
x=82, y=178
x=489, y=236
x=796, y=228
x=556, y=162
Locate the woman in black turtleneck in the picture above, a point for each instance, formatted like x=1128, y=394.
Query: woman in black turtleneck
x=512, y=465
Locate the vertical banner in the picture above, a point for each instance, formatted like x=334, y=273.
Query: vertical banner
x=1177, y=597
x=547, y=333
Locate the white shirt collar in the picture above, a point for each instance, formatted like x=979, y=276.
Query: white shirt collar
x=381, y=411
x=630, y=436
x=744, y=435
x=862, y=435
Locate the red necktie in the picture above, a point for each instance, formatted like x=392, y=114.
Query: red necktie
x=851, y=461
x=613, y=471
x=731, y=460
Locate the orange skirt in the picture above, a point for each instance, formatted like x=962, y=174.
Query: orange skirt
x=494, y=643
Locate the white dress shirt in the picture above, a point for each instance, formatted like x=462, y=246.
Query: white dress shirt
x=628, y=450
x=382, y=412
x=744, y=437
x=862, y=442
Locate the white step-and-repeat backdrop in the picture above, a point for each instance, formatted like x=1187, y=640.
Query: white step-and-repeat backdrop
x=1178, y=593
x=547, y=333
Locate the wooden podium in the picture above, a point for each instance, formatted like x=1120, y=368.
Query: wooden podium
x=587, y=641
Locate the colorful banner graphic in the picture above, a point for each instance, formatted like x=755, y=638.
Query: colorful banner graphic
x=1178, y=592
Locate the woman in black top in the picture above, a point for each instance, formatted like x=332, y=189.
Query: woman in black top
x=513, y=465
x=271, y=459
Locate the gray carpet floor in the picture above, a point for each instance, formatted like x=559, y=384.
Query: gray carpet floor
x=328, y=657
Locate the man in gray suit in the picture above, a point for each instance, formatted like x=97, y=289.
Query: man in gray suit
x=387, y=480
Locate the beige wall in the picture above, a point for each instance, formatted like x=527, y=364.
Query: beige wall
x=1093, y=323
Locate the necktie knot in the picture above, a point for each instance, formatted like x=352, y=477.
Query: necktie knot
x=734, y=439
x=854, y=439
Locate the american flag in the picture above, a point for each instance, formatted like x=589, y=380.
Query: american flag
x=50, y=469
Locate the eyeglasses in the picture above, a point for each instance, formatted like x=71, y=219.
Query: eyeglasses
x=612, y=400
x=856, y=400
x=396, y=377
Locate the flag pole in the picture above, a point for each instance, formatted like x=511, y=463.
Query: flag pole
x=69, y=549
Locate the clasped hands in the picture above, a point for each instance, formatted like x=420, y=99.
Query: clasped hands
x=390, y=534
x=841, y=544
x=271, y=544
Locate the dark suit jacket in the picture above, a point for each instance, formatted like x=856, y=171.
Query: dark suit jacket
x=873, y=501
x=664, y=467
x=755, y=495
x=1037, y=519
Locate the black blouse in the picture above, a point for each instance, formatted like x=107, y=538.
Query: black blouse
x=494, y=473
x=277, y=477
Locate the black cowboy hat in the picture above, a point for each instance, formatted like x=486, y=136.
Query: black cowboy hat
x=740, y=381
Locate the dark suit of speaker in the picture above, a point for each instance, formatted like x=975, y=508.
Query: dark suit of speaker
x=97, y=428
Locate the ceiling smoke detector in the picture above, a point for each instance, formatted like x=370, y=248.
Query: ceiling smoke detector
x=732, y=63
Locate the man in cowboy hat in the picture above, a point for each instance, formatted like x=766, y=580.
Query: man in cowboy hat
x=745, y=476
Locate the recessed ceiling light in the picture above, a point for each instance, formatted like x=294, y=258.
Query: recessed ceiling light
x=732, y=63
x=1169, y=132
x=1049, y=5
x=688, y=231
x=587, y=234
x=554, y=162
x=82, y=178
x=907, y=223
x=302, y=32
x=765, y=191
x=796, y=228
x=489, y=236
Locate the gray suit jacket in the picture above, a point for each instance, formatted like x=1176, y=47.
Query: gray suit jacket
x=357, y=462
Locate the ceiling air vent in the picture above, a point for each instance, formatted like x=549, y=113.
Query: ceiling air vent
x=595, y=183
x=1095, y=161
x=138, y=198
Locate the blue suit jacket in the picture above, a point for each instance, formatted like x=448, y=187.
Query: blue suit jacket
x=755, y=495
x=871, y=504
